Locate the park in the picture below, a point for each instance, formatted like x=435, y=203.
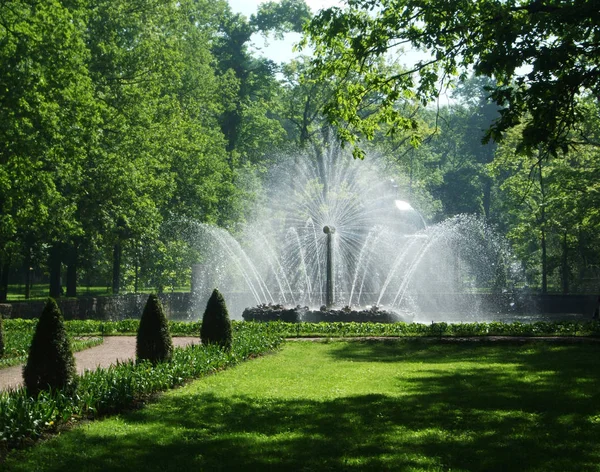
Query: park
x=381, y=254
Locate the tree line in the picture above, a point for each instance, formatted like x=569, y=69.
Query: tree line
x=118, y=119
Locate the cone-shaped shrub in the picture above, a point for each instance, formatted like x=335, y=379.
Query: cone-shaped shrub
x=50, y=364
x=154, y=341
x=216, y=326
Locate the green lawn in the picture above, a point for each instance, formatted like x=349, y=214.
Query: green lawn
x=359, y=406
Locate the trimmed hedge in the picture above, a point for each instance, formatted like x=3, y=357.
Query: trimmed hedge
x=50, y=364
x=153, y=341
x=216, y=326
x=441, y=329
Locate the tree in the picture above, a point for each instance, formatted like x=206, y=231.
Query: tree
x=481, y=113
x=248, y=121
x=544, y=56
x=46, y=111
x=281, y=17
x=1, y=336
x=50, y=363
x=304, y=98
x=160, y=154
x=455, y=144
x=154, y=341
x=216, y=326
x=549, y=210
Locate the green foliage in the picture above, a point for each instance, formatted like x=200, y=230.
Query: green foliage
x=50, y=364
x=494, y=328
x=104, y=142
x=216, y=326
x=281, y=17
x=548, y=208
x=154, y=342
x=110, y=390
x=495, y=38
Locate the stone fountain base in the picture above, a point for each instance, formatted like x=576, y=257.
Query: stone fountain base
x=304, y=314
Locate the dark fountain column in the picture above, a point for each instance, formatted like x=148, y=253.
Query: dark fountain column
x=329, y=284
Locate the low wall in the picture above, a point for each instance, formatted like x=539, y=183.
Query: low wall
x=181, y=306
x=506, y=302
x=110, y=308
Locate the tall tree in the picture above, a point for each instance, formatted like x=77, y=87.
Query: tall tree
x=549, y=209
x=555, y=41
x=47, y=112
x=249, y=123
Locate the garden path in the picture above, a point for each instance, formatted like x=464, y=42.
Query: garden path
x=113, y=349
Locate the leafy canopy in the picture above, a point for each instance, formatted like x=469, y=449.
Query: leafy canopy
x=543, y=54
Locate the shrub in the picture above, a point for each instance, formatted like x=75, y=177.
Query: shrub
x=50, y=364
x=154, y=341
x=216, y=326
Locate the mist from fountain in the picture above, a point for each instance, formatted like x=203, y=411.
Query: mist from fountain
x=384, y=253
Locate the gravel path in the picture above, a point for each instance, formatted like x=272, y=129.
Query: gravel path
x=113, y=349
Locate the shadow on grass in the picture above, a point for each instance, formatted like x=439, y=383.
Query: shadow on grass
x=434, y=350
x=527, y=409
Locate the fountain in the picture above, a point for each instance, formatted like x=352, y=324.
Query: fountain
x=334, y=234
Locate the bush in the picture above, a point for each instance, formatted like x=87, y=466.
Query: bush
x=216, y=326
x=154, y=341
x=50, y=364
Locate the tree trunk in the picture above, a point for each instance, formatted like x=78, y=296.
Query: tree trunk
x=4, y=268
x=55, y=266
x=28, y=270
x=543, y=226
x=72, y=273
x=138, y=257
x=27, y=282
x=116, y=273
x=544, y=264
x=565, y=264
x=582, y=265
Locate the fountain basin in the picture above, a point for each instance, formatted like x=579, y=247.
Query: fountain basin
x=299, y=314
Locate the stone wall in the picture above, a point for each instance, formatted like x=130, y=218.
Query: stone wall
x=181, y=306
x=506, y=302
x=111, y=308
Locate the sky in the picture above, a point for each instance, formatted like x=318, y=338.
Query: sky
x=278, y=51
x=282, y=51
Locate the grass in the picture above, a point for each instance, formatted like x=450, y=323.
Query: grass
x=16, y=293
x=17, y=342
x=20, y=356
x=359, y=406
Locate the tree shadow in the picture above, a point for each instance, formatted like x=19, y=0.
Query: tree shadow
x=525, y=410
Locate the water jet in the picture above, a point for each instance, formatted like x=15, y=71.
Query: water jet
x=357, y=245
